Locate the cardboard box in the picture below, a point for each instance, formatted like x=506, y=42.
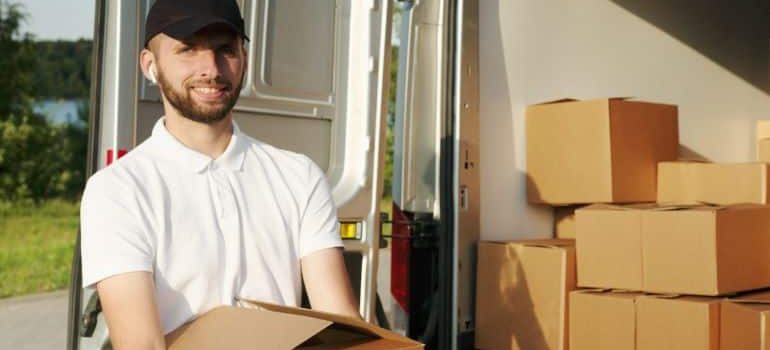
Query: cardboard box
x=763, y=150
x=602, y=320
x=700, y=250
x=706, y=250
x=608, y=244
x=564, y=221
x=763, y=140
x=718, y=184
x=677, y=323
x=266, y=326
x=521, y=294
x=598, y=151
x=744, y=322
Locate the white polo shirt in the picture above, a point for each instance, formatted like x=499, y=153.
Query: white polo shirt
x=210, y=230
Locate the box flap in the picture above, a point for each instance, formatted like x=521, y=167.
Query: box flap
x=543, y=243
x=641, y=206
x=569, y=99
x=228, y=327
x=593, y=290
x=716, y=208
x=687, y=161
x=550, y=243
x=763, y=129
x=763, y=150
x=762, y=297
x=351, y=323
x=623, y=293
x=674, y=207
x=607, y=206
x=561, y=100
x=665, y=296
x=682, y=297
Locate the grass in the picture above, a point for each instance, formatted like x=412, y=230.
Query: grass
x=36, y=246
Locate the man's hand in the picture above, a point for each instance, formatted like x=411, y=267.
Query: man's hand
x=327, y=283
x=128, y=301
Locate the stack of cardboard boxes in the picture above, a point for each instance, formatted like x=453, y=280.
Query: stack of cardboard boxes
x=660, y=243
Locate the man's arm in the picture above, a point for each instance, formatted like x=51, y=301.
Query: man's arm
x=327, y=283
x=128, y=301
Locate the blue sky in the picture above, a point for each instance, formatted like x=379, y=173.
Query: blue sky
x=58, y=19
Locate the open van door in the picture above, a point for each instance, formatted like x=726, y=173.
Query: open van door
x=436, y=192
x=316, y=84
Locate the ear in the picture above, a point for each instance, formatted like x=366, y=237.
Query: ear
x=147, y=64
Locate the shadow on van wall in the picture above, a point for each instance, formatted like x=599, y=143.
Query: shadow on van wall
x=733, y=34
x=688, y=154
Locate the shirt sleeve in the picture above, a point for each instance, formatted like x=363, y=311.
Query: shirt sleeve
x=111, y=239
x=319, y=227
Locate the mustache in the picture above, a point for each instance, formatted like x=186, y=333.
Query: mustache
x=212, y=82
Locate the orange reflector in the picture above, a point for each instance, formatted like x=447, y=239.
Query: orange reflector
x=349, y=230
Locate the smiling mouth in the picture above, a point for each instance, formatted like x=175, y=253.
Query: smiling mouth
x=210, y=93
x=208, y=90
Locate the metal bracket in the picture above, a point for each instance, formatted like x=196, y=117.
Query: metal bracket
x=90, y=314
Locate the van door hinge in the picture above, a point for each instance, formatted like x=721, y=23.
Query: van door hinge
x=90, y=314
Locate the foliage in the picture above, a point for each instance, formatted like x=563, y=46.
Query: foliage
x=64, y=69
x=39, y=160
x=17, y=62
x=388, y=171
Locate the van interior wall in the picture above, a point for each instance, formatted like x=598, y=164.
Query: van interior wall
x=711, y=60
x=311, y=137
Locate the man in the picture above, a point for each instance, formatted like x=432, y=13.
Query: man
x=201, y=215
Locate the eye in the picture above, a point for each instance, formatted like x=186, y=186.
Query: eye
x=227, y=49
x=183, y=49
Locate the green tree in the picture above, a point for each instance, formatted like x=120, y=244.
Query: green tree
x=36, y=158
x=72, y=153
x=387, y=188
x=63, y=69
x=28, y=170
x=17, y=62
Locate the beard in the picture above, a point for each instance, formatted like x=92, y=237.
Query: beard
x=188, y=108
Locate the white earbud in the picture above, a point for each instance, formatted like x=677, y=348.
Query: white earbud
x=153, y=74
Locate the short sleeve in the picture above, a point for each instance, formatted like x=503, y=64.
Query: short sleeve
x=112, y=241
x=319, y=226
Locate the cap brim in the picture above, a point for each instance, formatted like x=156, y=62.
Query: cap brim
x=185, y=28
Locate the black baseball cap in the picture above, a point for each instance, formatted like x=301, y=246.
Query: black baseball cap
x=180, y=19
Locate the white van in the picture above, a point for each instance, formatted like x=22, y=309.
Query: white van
x=318, y=84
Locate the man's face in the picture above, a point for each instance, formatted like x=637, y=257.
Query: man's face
x=201, y=76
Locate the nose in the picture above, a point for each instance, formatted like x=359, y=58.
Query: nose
x=208, y=64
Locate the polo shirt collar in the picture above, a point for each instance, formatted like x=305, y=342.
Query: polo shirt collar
x=170, y=147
